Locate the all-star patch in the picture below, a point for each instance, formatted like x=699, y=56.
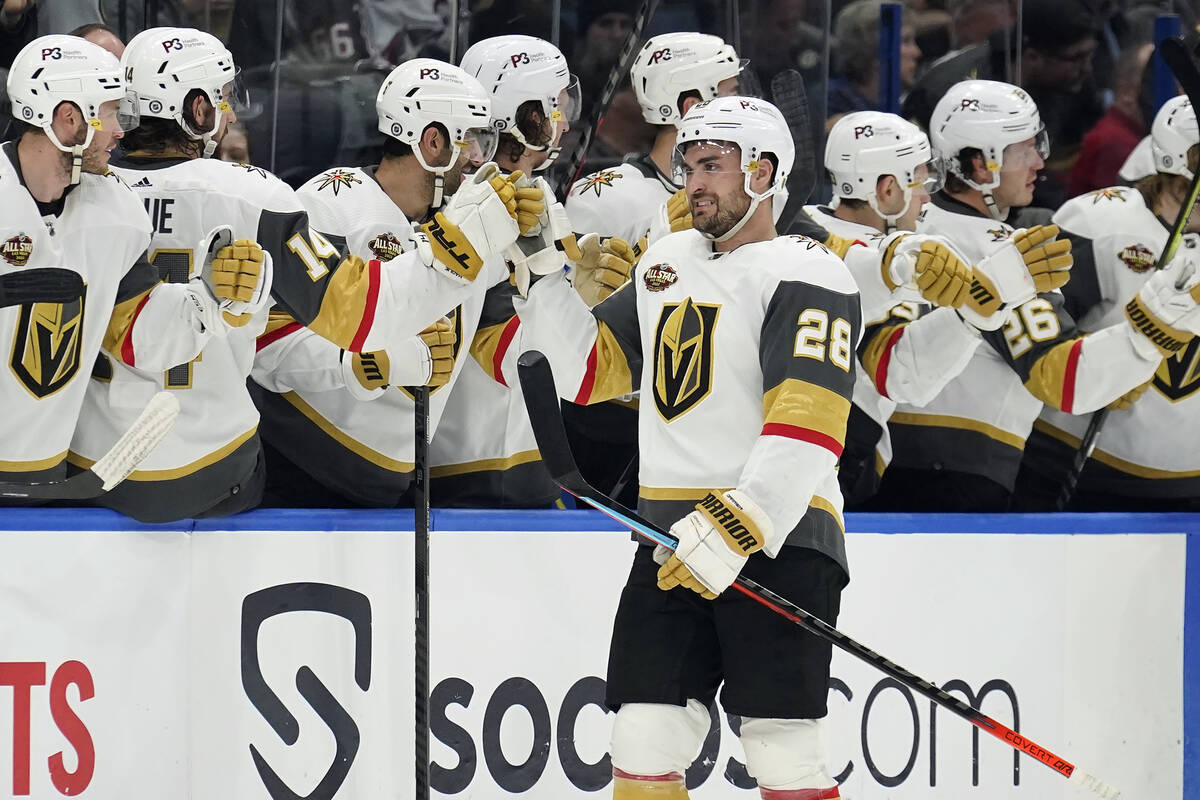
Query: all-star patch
x=386, y=246
x=17, y=250
x=598, y=180
x=659, y=277
x=1113, y=193
x=338, y=178
x=1138, y=258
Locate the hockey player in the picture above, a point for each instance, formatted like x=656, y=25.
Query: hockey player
x=742, y=344
x=211, y=463
x=344, y=420
x=1147, y=456
x=63, y=208
x=961, y=451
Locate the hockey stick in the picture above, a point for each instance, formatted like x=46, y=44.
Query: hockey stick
x=541, y=399
x=114, y=466
x=1182, y=63
x=573, y=163
x=40, y=285
x=421, y=580
x=787, y=92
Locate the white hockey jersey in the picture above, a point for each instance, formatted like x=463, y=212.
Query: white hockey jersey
x=909, y=352
x=620, y=201
x=1153, y=448
x=99, y=230
x=747, y=375
x=361, y=449
x=979, y=423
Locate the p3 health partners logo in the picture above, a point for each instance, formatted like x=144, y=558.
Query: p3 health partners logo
x=257, y=608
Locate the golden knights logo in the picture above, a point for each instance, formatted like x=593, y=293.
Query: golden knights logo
x=1178, y=377
x=338, y=178
x=455, y=318
x=1113, y=193
x=598, y=180
x=17, y=250
x=999, y=234
x=45, y=353
x=386, y=246
x=683, y=356
x=259, y=171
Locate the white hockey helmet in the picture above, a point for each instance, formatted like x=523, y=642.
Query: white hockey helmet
x=516, y=69
x=756, y=127
x=423, y=92
x=57, y=69
x=865, y=145
x=988, y=116
x=673, y=63
x=1173, y=133
x=164, y=65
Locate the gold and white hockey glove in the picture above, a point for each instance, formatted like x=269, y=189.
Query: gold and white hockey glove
x=603, y=266
x=479, y=221
x=545, y=249
x=426, y=359
x=1048, y=260
x=237, y=275
x=1166, y=310
x=532, y=197
x=1030, y=263
x=715, y=541
x=928, y=264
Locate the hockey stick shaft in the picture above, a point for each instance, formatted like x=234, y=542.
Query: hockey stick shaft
x=421, y=587
x=40, y=285
x=541, y=398
x=787, y=90
x=1182, y=63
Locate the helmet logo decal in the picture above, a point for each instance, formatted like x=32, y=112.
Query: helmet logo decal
x=519, y=58
x=51, y=53
x=864, y=132
x=660, y=55
x=746, y=104
x=27, y=112
x=171, y=44
x=431, y=73
x=155, y=106
x=969, y=103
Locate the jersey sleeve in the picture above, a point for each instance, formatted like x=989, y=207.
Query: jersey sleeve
x=497, y=342
x=912, y=354
x=1065, y=370
x=806, y=353
x=595, y=354
x=291, y=357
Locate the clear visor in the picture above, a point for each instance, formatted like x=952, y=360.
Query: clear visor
x=234, y=96
x=118, y=115
x=930, y=176
x=1027, y=154
x=705, y=156
x=479, y=145
x=570, y=102
x=748, y=84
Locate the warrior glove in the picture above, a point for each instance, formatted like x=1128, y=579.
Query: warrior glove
x=479, y=221
x=1166, y=310
x=715, y=541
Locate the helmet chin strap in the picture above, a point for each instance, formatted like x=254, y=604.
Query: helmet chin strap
x=553, y=150
x=75, y=151
x=891, y=219
x=439, y=173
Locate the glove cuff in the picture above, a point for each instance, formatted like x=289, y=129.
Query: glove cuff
x=742, y=524
x=356, y=373
x=453, y=253
x=1167, y=339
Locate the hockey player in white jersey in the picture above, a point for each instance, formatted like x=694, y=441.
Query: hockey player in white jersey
x=63, y=208
x=348, y=426
x=211, y=463
x=961, y=451
x=742, y=343
x=1147, y=456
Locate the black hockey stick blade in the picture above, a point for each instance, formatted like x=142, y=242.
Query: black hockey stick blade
x=572, y=161
x=114, y=466
x=545, y=416
x=789, y=96
x=40, y=285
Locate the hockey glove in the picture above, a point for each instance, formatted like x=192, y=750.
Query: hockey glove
x=479, y=221
x=426, y=359
x=928, y=262
x=1166, y=310
x=603, y=266
x=715, y=541
x=1049, y=261
x=238, y=274
x=531, y=196
x=1126, y=401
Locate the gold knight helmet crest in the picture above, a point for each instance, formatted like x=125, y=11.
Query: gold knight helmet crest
x=683, y=356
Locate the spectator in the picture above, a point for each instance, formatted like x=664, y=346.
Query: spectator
x=974, y=21
x=234, y=146
x=856, y=87
x=101, y=34
x=1107, y=145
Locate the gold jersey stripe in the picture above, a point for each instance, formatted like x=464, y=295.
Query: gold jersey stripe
x=175, y=472
x=345, y=303
x=665, y=493
x=608, y=375
x=487, y=464
x=1109, y=460
x=122, y=317
x=277, y=320
x=881, y=339
x=344, y=439
x=959, y=423
x=33, y=466
x=808, y=406
x=486, y=344
x=1049, y=375
x=823, y=504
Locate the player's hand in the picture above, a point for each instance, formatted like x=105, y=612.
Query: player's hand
x=1048, y=260
x=545, y=249
x=1126, y=401
x=715, y=541
x=1166, y=310
x=603, y=266
x=672, y=216
x=479, y=221
x=237, y=274
x=530, y=198
x=426, y=359
x=930, y=264
x=439, y=338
